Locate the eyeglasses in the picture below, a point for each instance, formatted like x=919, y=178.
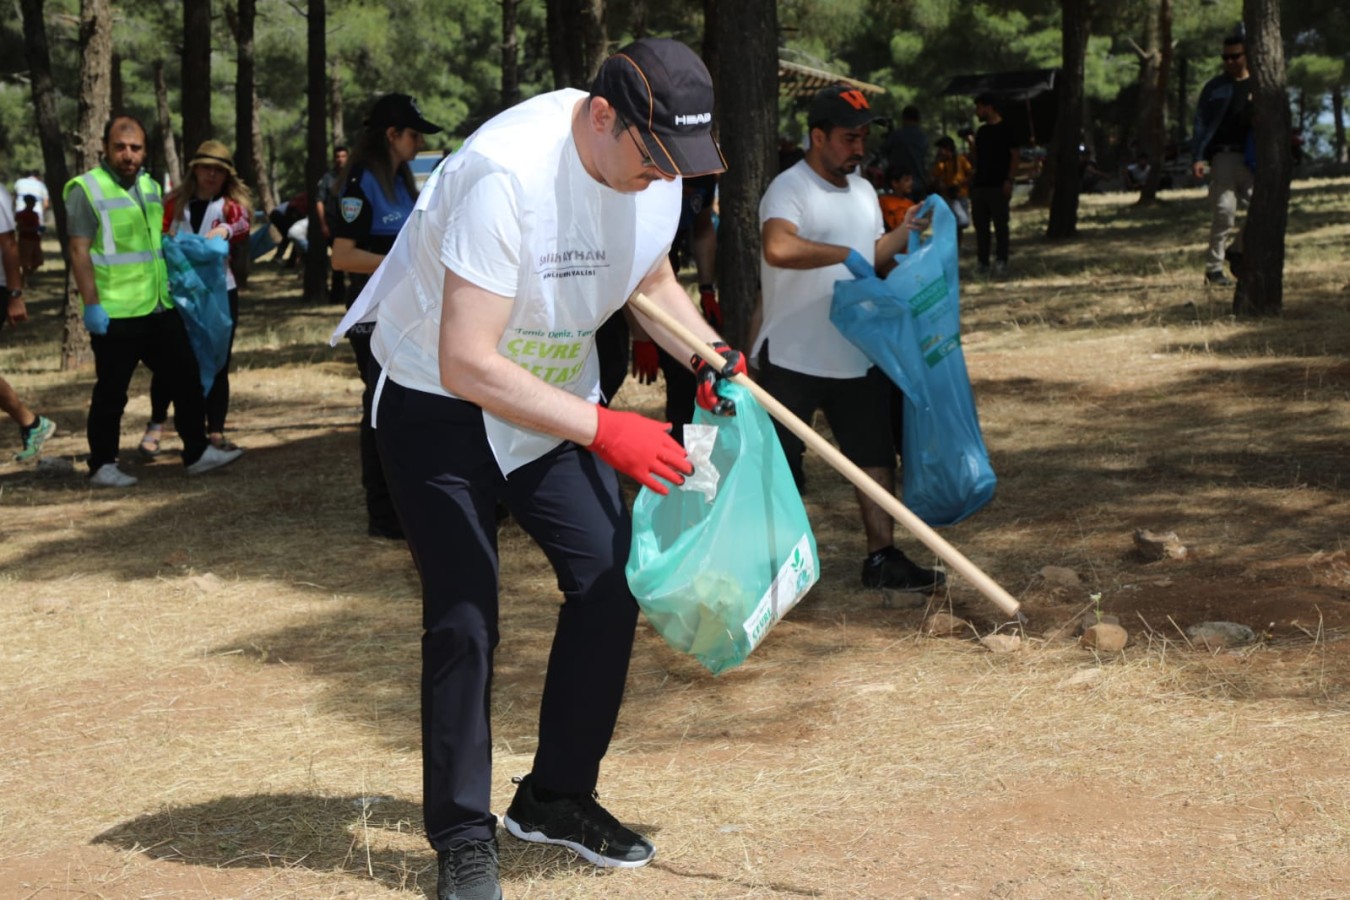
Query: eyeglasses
x=1230, y=57
x=647, y=161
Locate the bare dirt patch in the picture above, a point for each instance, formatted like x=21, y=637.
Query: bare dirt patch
x=211, y=685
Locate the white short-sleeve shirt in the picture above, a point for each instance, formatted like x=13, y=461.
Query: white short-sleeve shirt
x=514, y=212
x=796, y=320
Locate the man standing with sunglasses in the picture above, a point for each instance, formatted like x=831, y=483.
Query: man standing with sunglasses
x=1223, y=128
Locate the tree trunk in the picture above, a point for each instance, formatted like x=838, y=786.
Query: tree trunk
x=316, y=160
x=173, y=167
x=747, y=89
x=196, y=87
x=1069, y=120
x=577, y=41
x=54, y=143
x=1156, y=126
x=1338, y=120
x=337, y=128
x=510, y=56
x=243, y=21
x=266, y=199
x=1260, y=287
x=94, y=109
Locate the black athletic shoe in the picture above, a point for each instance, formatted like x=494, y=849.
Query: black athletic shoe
x=578, y=823
x=890, y=568
x=1218, y=279
x=468, y=872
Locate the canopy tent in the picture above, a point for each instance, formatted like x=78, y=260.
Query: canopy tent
x=797, y=80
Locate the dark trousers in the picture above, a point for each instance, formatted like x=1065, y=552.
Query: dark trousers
x=611, y=349
x=447, y=484
x=161, y=342
x=379, y=506
x=989, y=207
x=217, y=400
x=680, y=389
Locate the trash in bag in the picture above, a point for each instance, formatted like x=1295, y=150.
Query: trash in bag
x=715, y=566
x=909, y=325
x=197, y=284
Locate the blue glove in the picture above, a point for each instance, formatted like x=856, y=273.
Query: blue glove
x=859, y=267
x=96, y=319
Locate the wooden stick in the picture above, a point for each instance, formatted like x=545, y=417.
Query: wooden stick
x=841, y=463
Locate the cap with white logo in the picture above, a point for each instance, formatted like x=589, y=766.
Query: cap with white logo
x=663, y=88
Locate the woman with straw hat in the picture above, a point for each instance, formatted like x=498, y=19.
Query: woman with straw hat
x=211, y=202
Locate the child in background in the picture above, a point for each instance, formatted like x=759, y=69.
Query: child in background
x=893, y=205
x=28, y=223
x=950, y=177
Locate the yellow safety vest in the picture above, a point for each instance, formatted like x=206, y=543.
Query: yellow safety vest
x=127, y=249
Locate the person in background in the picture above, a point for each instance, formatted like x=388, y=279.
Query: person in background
x=374, y=204
x=326, y=205
x=695, y=238
x=211, y=202
x=34, y=430
x=1223, y=128
x=898, y=198
x=286, y=214
x=540, y=227
x=950, y=177
x=991, y=185
x=908, y=146
x=32, y=184
x=116, y=219
x=28, y=223
x=821, y=223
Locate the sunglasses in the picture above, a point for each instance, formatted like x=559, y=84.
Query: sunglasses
x=647, y=161
x=1229, y=57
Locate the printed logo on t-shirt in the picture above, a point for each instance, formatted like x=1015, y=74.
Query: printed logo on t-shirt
x=351, y=208
x=571, y=263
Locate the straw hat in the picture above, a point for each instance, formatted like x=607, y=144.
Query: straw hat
x=213, y=153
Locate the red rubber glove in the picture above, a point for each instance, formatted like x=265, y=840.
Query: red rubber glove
x=708, y=378
x=641, y=448
x=712, y=310
x=646, y=362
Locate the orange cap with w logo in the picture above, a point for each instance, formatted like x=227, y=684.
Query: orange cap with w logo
x=840, y=105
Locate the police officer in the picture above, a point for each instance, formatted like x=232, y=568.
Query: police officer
x=373, y=206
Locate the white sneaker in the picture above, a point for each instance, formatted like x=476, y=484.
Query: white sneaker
x=108, y=475
x=213, y=458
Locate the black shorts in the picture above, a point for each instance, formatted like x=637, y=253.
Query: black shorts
x=858, y=411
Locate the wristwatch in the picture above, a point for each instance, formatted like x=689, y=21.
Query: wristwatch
x=17, y=292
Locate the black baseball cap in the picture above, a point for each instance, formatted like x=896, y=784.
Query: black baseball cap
x=663, y=88
x=399, y=111
x=840, y=105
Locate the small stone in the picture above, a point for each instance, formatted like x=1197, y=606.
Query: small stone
x=1002, y=643
x=1105, y=638
x=1059, y=576
x=1156, y=545
x=1082, y=677
x=1092, y=618
x=1218, y=635
x=944, y=625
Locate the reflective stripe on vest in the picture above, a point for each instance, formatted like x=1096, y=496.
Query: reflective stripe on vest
x=132, y=279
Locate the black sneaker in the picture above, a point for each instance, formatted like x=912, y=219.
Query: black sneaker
x=890, y=568
x=468, y=872
x=1217, y=278
x=578, y=823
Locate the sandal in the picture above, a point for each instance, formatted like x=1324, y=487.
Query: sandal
x=220, y=442
x=150, y=442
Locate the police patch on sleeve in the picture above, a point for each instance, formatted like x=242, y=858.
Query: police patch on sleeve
x=351, y=208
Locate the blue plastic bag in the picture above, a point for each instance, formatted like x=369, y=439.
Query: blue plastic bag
x=910, y=326
x=197, y=284
x=714, y=573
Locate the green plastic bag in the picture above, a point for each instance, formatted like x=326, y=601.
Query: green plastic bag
x=715, y=563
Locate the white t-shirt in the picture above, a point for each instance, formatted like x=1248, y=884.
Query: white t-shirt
x=796, y=320
x=6, y=221
x=515, y=213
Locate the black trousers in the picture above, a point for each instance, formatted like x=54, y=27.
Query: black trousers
x=217, y=400
x=680, y=389
x=379, y=505
x=446, y=483
x=989, y=207
x=160, y=341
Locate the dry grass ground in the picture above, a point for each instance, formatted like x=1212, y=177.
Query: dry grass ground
x=210, y=686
